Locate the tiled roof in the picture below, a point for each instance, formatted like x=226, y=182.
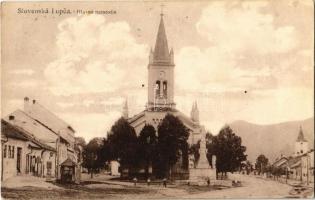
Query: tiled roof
x=136, y=117
x=49, y=120
x=186, y=120
x=32, y=127
x=68, y=162
x=10, y=130
x=294, y=161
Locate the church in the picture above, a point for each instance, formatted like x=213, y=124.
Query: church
x=161, y=95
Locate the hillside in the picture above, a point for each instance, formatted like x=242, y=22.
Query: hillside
x=272, y=140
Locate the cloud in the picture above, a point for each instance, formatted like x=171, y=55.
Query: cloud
x=95, y=56
x=99, y=64
x=244, y=51
x=25, y=83
x=238, y=26
x=22, y=72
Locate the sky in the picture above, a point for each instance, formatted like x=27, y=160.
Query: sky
x=240, y=60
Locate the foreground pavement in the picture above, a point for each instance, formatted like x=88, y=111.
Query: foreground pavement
x=100, y=187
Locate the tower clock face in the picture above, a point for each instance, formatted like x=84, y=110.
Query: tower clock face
x=162, y=74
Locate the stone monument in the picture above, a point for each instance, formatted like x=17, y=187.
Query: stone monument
x=202, y=172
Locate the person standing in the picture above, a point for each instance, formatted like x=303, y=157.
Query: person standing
x=164, y=182
x=135, y=181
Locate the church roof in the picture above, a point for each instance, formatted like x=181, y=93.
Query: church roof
x=141, y=117
x=161, y=52
x=136, y=117
x=301, y=137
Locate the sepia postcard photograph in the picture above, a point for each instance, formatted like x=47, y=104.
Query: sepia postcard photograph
x=206, y=99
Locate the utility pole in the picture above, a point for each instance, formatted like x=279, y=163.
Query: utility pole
x=307, y=171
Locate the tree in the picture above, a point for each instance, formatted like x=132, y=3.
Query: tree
x=261, y=163
x=105, y=153
x=248, y=167
x=228, y=149
x=122, y=141
x=80, y=141
x=172, y=143
x=209, y=146
x=91, y=155
x=147, y=141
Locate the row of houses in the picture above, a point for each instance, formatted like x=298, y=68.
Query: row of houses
x=300, y=165
x=36, y=142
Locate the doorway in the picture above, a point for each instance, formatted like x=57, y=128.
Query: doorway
x=18, y=159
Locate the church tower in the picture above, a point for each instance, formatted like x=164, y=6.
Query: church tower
x=301, y=144
x=161, y=73
x=194, y=114
x=125, y=110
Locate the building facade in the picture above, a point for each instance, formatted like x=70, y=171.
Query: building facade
x=23, y=154
x=41, y=142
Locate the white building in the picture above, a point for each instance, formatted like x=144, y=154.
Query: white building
x=50, y=132
x=301, y=144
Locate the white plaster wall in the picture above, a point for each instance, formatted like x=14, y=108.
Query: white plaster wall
x=10, y=164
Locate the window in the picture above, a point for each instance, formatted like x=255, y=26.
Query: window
x=12, y=151
x=9, y=156
x=5, y=151
x=27, y=163
x=165, y=88
x=49, y=167
x=157, y=88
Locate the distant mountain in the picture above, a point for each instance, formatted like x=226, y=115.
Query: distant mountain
x=274, y=139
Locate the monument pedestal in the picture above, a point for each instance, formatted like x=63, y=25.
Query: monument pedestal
x=200, y=176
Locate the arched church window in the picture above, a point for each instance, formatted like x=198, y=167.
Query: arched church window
x=157, y=88
x=165, y=88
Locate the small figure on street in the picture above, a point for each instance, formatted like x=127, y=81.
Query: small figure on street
x=164, y=182
x=208, y=181
x=148, y=181
x=135, y=181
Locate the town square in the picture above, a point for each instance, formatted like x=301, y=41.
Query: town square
x=157, y=100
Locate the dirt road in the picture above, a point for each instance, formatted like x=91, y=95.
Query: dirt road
x=252, y=187
x=101, y=187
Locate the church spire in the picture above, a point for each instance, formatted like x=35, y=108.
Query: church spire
x=125, y=110
x=301, y=137
x=161, y=52
x=194, y=114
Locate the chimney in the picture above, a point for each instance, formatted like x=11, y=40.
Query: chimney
x=26, y=104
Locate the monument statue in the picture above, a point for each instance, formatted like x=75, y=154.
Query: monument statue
x=214, y=161
x=203, y=172
x=203, y=161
